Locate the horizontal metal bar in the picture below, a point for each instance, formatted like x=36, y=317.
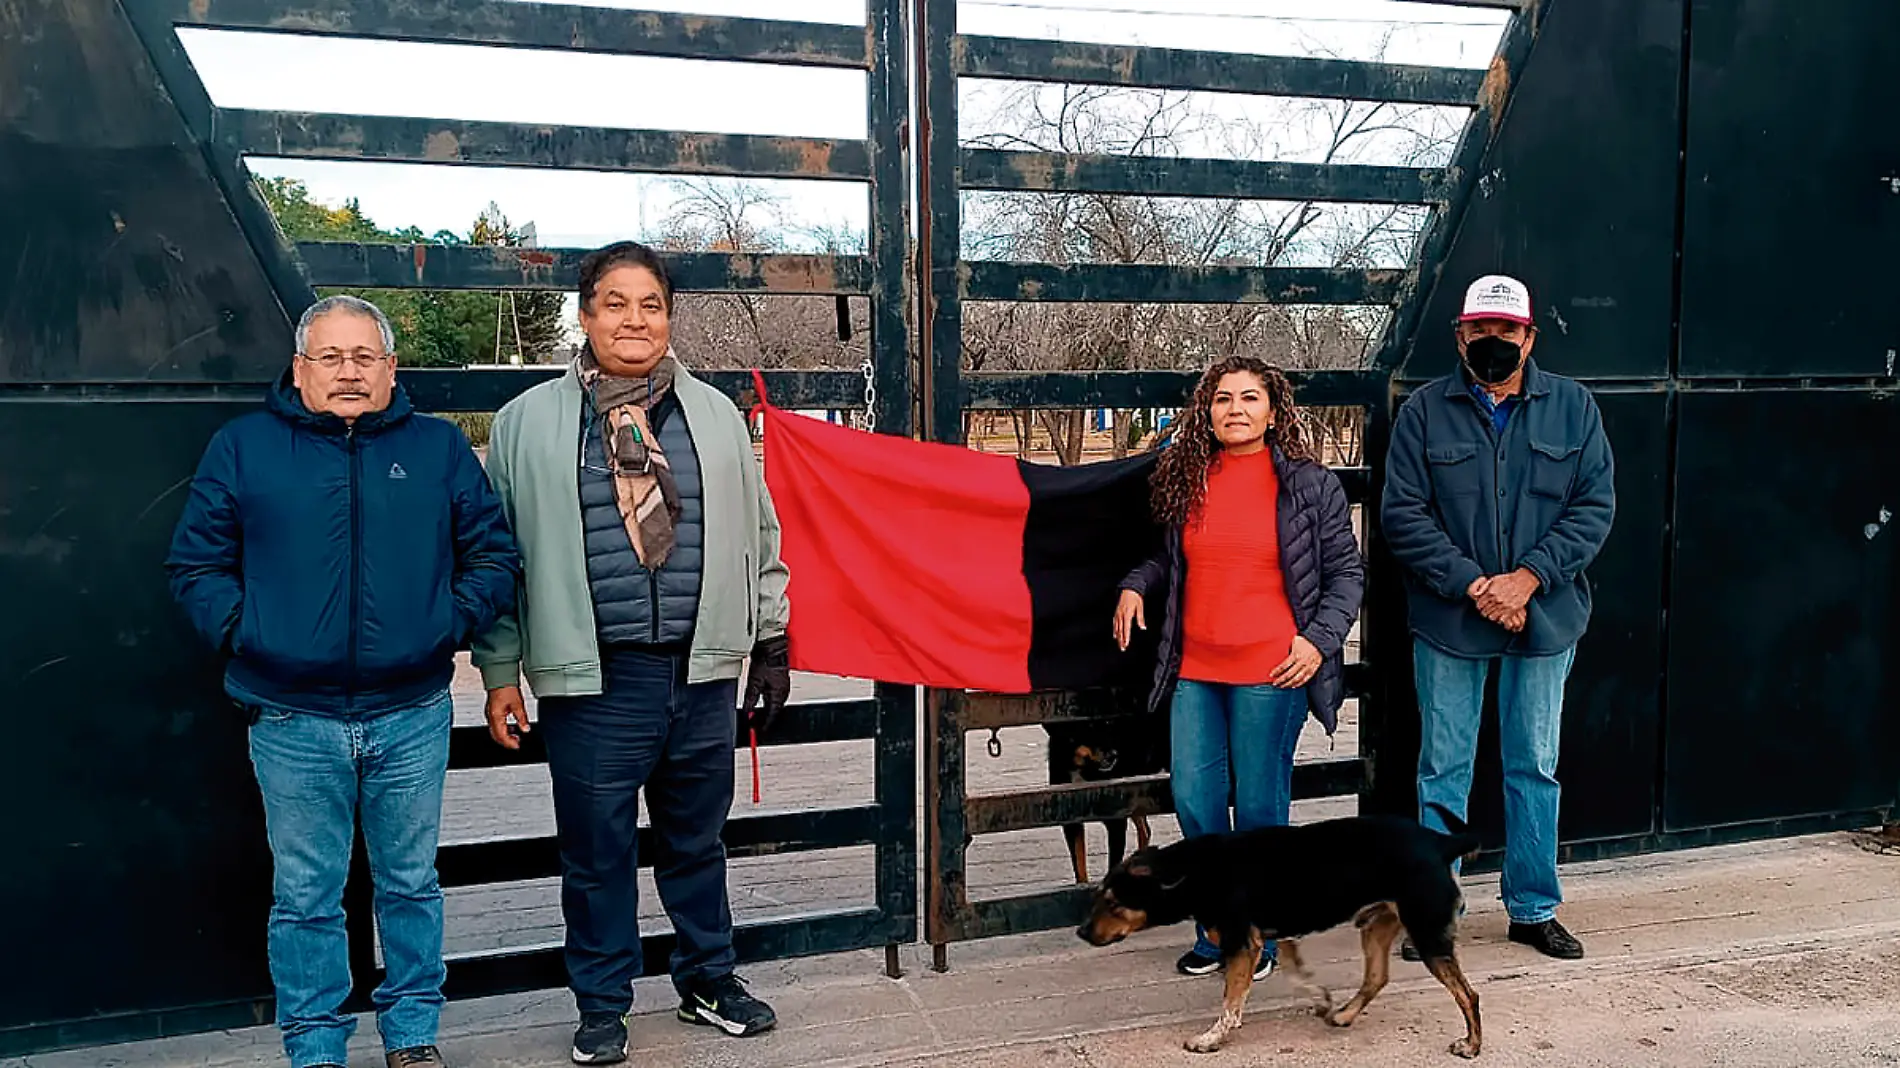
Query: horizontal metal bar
x=990, y=711
x=1086, y=63
x=800, y=724
x=1149, y=389
x=514, y=971
x=138, y=392
x=562, y=27
x=1053, y=806
x=371, y=265
x=401, y=139
x=1169, y=176
x=1148, y=795
x=505, y=860
x=486, y=390
x=1025, y=913
x=107, y=1029
x=1150, y=283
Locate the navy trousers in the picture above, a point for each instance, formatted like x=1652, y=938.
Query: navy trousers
x=651, y=730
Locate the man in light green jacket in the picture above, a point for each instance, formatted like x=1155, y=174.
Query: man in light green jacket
x=651, y=573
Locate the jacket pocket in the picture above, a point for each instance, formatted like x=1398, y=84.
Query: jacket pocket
x=1454, y=469
x=1553, y=468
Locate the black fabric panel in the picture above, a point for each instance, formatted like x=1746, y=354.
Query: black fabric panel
x=1088, y=527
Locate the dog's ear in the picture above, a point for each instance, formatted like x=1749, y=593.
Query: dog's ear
x=1141, y=863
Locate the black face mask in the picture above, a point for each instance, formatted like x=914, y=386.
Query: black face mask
x=1492, y=359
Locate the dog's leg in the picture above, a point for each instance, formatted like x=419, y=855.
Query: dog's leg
x=1142, y=836
x=1446, y=971
x=1377, y=928
x=1239, y=984
x=1295, y=967
x=1078, y=851
x=1117, y=840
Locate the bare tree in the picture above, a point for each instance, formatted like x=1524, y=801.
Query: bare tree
x=743, y=330
x=1065, y=228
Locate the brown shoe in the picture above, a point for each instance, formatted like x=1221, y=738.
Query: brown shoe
x=416, y=1057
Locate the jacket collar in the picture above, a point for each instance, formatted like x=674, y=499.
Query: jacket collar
x=285, y=401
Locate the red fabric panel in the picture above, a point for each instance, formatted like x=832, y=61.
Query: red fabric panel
x=906, y=557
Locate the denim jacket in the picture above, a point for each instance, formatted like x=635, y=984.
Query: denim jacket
x=1463, y=500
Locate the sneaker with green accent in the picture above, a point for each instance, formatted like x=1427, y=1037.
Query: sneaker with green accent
x=600, y=1039
x=724, y=1003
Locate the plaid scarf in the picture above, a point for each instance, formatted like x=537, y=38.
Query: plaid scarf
x=644, y=490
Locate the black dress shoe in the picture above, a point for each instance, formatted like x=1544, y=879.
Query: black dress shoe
x=1548, y=938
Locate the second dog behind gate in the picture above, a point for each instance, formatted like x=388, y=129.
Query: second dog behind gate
x=1384, y=874
x=1102, y=751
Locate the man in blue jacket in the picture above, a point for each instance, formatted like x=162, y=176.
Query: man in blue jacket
x=1498, y=493
x=339, y=548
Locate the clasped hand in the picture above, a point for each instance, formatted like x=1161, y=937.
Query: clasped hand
x=1503, y=599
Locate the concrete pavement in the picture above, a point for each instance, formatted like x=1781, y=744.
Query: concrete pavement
x=1773, y=954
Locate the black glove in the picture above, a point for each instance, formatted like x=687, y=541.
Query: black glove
x=768, y=676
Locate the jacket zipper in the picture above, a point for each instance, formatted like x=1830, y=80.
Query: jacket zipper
x=580, y=472
x=356, y=563
x=653, y=578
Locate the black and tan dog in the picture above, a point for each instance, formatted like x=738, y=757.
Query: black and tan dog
x=1100, y=751
x=1383, y=874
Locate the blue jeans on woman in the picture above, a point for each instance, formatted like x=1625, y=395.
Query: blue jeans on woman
x=1239, y=739
x=317, y=773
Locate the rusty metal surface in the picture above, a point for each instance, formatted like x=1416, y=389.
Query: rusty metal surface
x=1146, y=389
x=987, y=711
x=1085, y=62
x=401, y=139
x=564, y=27
x=1167, y=284
x=1462, y=179
x=489, y=388
x=428, y=266
x=1170, y=176
x=1022, y=810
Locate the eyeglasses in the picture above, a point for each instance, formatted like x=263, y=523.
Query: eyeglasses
x=332, y=359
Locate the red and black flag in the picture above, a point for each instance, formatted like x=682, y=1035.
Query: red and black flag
x=933, y=565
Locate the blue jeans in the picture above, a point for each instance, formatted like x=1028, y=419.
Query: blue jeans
x=1233, y=741
x=649, y=730
x=317, y=774
x=1530, y=721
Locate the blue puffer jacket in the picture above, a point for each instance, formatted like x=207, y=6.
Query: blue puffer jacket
x=1325, y=583
x=632, y=605
x=340, y=567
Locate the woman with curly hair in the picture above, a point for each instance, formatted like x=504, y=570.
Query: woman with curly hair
x=1260, y=577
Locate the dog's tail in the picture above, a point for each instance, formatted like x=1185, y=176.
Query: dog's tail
x=1456, y=842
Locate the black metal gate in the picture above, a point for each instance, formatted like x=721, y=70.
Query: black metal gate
x=953, y=817
x=217, y=939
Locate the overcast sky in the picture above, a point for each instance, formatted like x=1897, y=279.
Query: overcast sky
x=581, y=208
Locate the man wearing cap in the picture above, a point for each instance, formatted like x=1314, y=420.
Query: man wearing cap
x=1498, y=494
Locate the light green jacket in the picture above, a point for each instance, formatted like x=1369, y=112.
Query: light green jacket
x=534, y=464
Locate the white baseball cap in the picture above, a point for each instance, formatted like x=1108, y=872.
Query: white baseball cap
x=1497, y=296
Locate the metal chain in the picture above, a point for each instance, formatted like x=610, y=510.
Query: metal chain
x=870, y=396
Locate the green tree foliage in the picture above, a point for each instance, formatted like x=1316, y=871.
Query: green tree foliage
x=434, y=328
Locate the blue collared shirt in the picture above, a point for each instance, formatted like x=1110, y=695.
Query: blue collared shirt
x=1500, y=410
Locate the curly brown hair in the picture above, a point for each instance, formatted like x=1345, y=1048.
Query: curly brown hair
x=1180, y=477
